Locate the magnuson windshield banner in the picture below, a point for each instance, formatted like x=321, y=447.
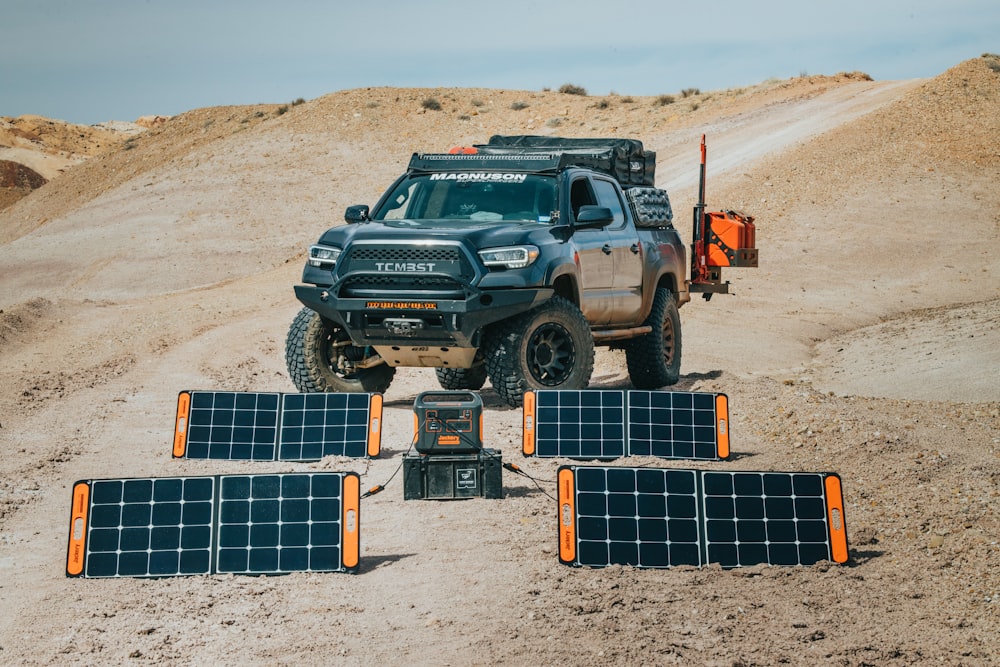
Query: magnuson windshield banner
x=479, y=177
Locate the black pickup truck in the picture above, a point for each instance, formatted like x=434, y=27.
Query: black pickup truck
x=511, y=260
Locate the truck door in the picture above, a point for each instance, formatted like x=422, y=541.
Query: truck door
x=594, y=257
x=626, y=251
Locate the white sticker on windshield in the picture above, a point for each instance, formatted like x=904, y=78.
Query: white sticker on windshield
x=480, y=177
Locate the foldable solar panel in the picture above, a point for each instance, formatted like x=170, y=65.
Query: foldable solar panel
x=608, y=424
x=659, y=518
x=575, y=424
x=241, y=524
x=678, y=424
x=318, y=425
x=272, y=426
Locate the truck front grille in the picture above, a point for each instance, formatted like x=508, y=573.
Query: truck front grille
x=406, y=254
x=382, y=286
x=422, y=271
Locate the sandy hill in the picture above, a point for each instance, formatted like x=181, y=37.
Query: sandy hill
x=34, y=149
x=51, y=146
x=865, y=344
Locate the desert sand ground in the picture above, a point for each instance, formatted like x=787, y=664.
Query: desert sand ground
x=867, y=344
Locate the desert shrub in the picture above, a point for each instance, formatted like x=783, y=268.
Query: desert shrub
x=554, y=122
x=431, y=104
x=572, y=89
x=628, y=100
x=517, y=106
x=664, y=100
x=603, y=104
x=283, y=109
x=297, y=101
x=688, y=92
x=477, y=103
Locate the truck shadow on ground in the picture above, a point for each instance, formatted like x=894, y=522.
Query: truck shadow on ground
x=688, y=381
x=685, y=383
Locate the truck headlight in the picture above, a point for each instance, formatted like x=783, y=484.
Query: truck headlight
x=323, y=257
x=515, y=257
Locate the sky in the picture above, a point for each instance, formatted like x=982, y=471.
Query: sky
x=91, y=61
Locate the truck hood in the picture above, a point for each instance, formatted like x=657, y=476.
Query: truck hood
x=479, y=233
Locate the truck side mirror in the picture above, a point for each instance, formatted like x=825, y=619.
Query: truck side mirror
x=356, y=213
x=594, y=216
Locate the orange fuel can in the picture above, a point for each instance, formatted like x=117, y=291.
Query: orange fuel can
x=731, y=239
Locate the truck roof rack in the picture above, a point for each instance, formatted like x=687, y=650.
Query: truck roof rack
x=534, y=162
x=623, y=159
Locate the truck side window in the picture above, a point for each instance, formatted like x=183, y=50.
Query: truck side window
x=580, y=194
x=607, y=195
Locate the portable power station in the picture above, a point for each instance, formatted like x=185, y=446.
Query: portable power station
x=451, y=461
x=448, y=422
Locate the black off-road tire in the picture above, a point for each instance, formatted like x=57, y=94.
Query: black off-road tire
x=549, y=347
x=311, y=359
x=654, y=359
x=462, y=378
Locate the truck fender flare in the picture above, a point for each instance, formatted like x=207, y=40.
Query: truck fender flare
x=669, y=281
x=561, y=271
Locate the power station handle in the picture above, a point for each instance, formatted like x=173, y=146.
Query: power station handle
x=606, y=249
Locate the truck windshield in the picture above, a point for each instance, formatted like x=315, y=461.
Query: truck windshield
x=480, y=196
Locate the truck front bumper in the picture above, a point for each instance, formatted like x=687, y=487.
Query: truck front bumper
x=420, y=322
